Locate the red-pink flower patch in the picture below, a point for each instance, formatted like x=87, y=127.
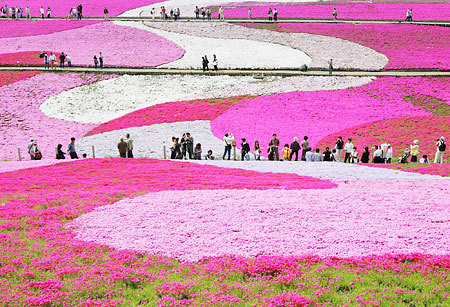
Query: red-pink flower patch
x=171, y=112
x=23, y=58
x=8, y=77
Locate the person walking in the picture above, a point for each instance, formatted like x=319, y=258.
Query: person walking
x=95, y=61
x=245, y=149
x=48, y=12
x=408, y=15
x=348, y=150
x=71, y=149
x=249, y=14
x=106, y=12
x=275, y=143
x=205, y=63
x=275, y=15
x=41, y=10
x=122, y=146
x=270, y=14
x=335, y=13
x=46, y=61
x=305, y=146
x=215, y=62
x=440, y=150
x=227, y=140
x=339, y=148
x=295, y=148
x=129, y=146
x=330, y=66
x=80, y=11
x=27, y=11
x=100, y=59
x=62, y=59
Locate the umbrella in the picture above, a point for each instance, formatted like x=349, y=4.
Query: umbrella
x=42, y=54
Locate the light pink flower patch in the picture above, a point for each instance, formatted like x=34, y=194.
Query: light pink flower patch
x=143, y=48
x=396, y=11
x=22, y=119
x=406, y=46
x=425, y=169
x=360, y=217
x=321, y=113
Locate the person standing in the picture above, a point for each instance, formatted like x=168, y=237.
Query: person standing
x=227, y=140
x=408, y=15
x=249, y=14
x=62, y=59
x=100, y=59
x=348, y=150
x=257, y=151
x=339, y=148
x=190, y=145
x=275, y=142
x=440, y=150
x=122, y=146
x=295, y=148
x=414, y=151
x=106, y=12
x=41, y=10
x=221, y=13
x=95, y=61
x=197, y=12
x=215, y=63
x=366, y=155
x=203, y=13
x=330, y=66
x=48, y=12
x=52, y=60
x=270, y=14
x=389, y=154
x=71, y=149
x=80, y=11
x=129, y=142
x=27, y=11
x=245, y=149
x=208, y=14
x=275, y=15
x=69, y=60
x=46, y=61
x=305, y=146
x=335, y=13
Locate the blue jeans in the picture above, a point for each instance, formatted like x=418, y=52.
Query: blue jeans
x=227, y=149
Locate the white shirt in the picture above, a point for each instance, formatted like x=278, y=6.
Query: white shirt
x=348, y=147
x=227, y=140
x=384, y=147
x=41, y=10
x=390, y=153
x=309, y=156
x=317, y=157
x=377, y=153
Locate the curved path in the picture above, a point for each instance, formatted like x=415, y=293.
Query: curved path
x=237, y=72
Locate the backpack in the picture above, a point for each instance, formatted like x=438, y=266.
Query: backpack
x=442, y=146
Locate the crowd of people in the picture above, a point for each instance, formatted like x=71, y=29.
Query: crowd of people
x=51, y=60
x=18, y=12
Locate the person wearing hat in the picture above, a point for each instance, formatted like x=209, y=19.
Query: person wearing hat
x=34, y=151
x=414, y=151
x=123, y=148
x=441, y=146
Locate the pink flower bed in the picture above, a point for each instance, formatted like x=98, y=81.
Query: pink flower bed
x=143, y=48
x=406, y=46
x=249, y=223
x=12, y=28
x=399, y=132
x=8, y=77
x=321, y=113
x=397, y=11
x=171, y=112
x=426, y=169
x=22, y=119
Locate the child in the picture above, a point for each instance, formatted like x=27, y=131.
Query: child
x=354, y=156
x=286, y=152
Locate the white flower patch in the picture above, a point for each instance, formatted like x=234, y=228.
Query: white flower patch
x=149, y=140
x=232, y=53
x=324, y=170
x=345, y=54
x=109, y=99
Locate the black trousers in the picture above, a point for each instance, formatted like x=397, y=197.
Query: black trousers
x=292, y=155
x=130, y=154
x=73, y=155
x=347, y=157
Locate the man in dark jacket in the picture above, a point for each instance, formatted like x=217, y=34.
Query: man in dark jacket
x=295, y=147
x=123, y=148
x=80, y=11
x=275, y=142
x=62, y=59
x=245, y=148
x=190, y=145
